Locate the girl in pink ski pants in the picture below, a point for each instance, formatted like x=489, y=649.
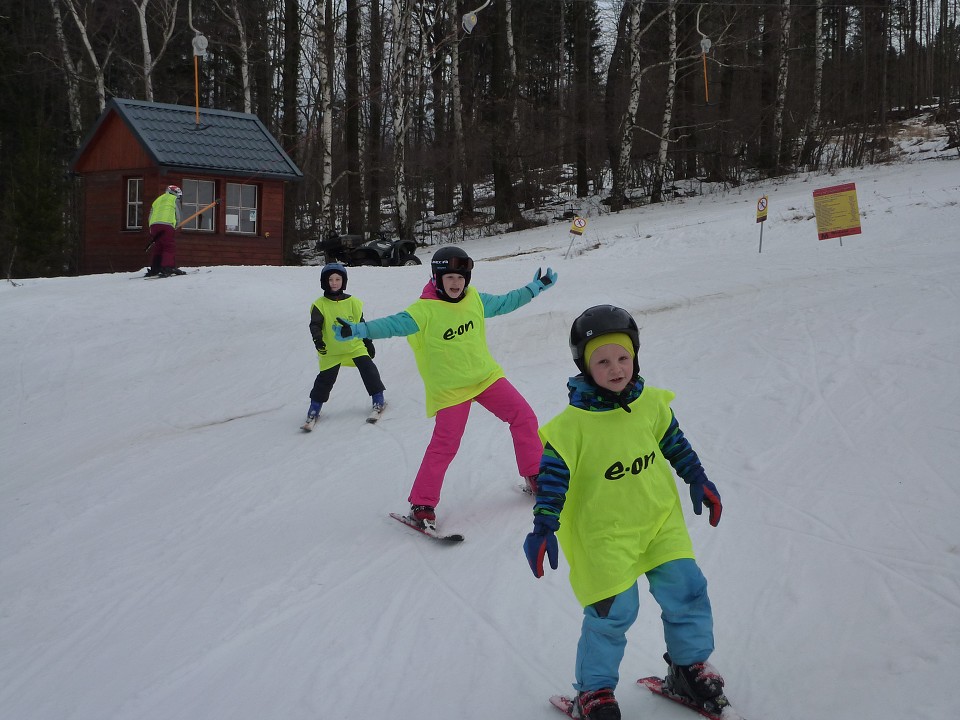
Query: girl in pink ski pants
x=505, y=402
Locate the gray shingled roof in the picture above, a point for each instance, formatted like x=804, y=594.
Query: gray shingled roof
x=229, y=143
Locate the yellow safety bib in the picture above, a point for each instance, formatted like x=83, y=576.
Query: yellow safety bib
x=339, y=353
x=622, y=514
x=451, y=350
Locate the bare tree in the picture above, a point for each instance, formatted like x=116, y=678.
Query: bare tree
x=401, y=113
x=628, y=121
x=780, y=100
x=231, y=11
x=96, y=65
x=167, y=11
x=70, y=74
x=656, y=192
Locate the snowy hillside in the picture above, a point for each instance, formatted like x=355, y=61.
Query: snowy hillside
x=173, y=547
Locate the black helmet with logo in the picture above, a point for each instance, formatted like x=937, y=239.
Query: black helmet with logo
x=450, y=259
x=602, y=320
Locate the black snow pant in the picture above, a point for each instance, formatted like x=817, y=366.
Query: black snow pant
x=326, y=378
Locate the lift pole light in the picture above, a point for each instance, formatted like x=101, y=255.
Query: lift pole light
x=470, y=18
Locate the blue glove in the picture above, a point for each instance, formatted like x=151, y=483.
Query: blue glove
x=541, y=282
x=540, y=542
x=344, y=330
x=703, y=492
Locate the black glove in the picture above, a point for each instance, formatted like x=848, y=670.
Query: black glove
x=343, y=331
x=371, y=351
x=322, y=349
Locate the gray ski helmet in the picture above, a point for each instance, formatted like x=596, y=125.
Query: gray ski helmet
x=602, y=320
x=327, y=270
x=450, y=259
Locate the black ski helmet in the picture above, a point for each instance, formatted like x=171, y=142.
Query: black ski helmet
x=329, y=269
x=602, y=320
x=450, y=259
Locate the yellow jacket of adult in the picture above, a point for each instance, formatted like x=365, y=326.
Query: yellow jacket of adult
x=164, y=210
x=622, y=514
x=451, y=350
x=339, y=353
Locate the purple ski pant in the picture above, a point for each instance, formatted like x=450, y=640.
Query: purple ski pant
x=501, y=399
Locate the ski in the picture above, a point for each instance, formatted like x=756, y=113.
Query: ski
x=717, y=711
x=164, y=277
x=411, y=523
x=375, y=415
x=526, y=490
x=563, y=704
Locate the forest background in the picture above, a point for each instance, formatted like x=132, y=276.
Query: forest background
x=446, y=118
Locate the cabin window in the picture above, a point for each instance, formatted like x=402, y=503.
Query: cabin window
x=199, y=195
x=134, y=203
x=241, y=212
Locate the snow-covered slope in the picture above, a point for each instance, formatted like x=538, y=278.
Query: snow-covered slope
x=171, y=546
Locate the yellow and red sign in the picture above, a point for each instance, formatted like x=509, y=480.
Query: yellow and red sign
x=578, y=226
x=837, y=211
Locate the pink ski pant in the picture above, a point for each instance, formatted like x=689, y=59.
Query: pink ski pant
x=503, y=400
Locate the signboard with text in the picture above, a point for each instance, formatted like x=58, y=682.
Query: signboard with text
x=837, y=211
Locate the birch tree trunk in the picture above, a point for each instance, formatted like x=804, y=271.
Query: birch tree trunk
x=168, y=11
x=70, y=75
x=512, y=80
x=95, y=64
x=656, y=192
x=811, y=136
x=456, y=110
x=781, y=94
x=374, y=142
x=628, y=120
x=401, y=117
x=325, y=78
x=232, y=14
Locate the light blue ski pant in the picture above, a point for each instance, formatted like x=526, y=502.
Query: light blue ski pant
x=681, y=591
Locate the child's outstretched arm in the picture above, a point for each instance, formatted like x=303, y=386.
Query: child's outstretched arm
x=494, y=305
x=399, y=325
x=677, y=450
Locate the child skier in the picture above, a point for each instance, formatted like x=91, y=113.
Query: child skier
x=446, y=330
x=332, y=304
x=606, y=489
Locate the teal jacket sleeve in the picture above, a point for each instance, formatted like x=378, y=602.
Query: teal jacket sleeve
x=494, y=305
x=400, y=324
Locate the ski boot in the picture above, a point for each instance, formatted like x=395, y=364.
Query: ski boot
x=312, y=415
x=171, y=271
x=378, y=402
x=699, y=684
x=425, y=516
x=596, y=705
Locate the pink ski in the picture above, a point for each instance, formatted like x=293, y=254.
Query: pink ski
x=655, y=685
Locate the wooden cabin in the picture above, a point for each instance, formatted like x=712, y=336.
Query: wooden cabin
x=232, y=171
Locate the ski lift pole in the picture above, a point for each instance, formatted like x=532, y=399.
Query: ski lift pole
x=705, y=45
x=199, y=50
x=470, y=19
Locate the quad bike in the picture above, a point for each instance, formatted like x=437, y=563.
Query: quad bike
x=357, y=250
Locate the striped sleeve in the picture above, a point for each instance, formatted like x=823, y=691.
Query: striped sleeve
x=552, y=484
x=676, y=449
